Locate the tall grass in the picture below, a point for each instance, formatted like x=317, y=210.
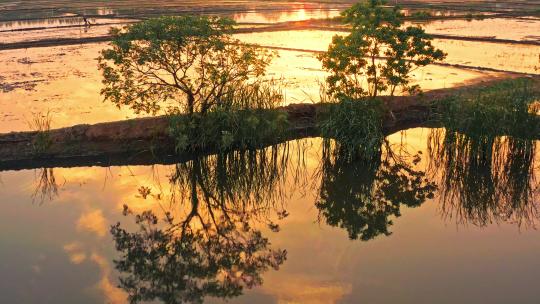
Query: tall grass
x=356, y=125
x=41, y=124
x=509, y=108
x=247, y=117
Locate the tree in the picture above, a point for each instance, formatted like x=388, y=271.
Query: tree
x=378, y=50
x=189, y=63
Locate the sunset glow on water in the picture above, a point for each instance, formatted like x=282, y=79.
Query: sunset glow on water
x=436, y=215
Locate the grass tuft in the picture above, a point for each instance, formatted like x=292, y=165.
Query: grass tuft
x=41, y=124
x=356, y=125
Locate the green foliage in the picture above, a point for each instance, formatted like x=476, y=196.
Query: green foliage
x=188, y=63
x=378, y=52
x=471, y=16
x=356, y=125
x=247, y=119
x=224, y=129
x=505, y=108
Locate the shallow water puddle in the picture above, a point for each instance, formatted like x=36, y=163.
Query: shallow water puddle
x=298, y=14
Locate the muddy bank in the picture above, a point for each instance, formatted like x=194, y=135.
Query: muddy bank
x=146, y=140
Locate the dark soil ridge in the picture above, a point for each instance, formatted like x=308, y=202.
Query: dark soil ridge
x=287, y=26
x=59, y=27
x=146, y=141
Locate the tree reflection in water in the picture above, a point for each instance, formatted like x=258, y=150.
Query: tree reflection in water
x=214, y=246
x=485, y=179
x=362, y=195
x=209, y=243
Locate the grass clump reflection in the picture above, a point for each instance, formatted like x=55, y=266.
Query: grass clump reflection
x=485, y=158
x=485, y=179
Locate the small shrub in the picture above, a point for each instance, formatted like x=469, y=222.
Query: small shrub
x=421, y=15
x=227, y=128
x=248, y=118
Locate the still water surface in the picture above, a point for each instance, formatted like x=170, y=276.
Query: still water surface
x=294, y=223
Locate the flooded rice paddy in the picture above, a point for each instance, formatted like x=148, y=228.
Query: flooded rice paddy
x=302, y=225
x=65, y=81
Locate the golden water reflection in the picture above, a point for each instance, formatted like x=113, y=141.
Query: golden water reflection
x=500, y=28
x=509, y=57
x=294, y=14
x=277, y=197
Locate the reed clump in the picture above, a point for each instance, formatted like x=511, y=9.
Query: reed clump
x=355, y=124
x=509, y=108
x=247, y=118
